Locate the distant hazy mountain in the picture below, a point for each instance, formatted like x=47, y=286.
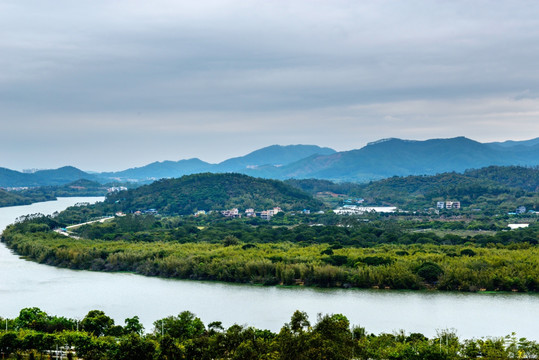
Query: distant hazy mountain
x=63, y=175
x=396, y=157
x=377, y=160
x=159, y=170
x=253, y=163
x=512, y=143
x=274, y=155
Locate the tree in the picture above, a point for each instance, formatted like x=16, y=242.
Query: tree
x=135, y=347
x=184, y=326
x=299, y=322
x=31, y=318
x=430, y=272
x=133, y=325
x=331, y=338
x=170, y=349
x=9, y=343
x=97, y=322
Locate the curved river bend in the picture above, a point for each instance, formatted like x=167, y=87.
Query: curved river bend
x=73, y=293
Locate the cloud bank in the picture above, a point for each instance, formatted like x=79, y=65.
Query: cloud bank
x=107, y=85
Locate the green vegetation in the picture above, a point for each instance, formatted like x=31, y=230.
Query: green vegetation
x=27, y=196
x=13, y=198
x=211, y=192
x=491, y=190
x=76, y=188
x=453, y=250
x=36, y=334
x=374, y=254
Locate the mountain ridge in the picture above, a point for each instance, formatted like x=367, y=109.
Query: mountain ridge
x=377, y=160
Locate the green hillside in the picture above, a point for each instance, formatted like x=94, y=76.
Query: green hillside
x=525, y=178
x=501, y=188
x=12, y=198
x=207, y=191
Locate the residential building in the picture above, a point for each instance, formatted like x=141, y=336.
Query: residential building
x=265, y=215
x=234, y=213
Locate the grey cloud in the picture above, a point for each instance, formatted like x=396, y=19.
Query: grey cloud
x=219, y=66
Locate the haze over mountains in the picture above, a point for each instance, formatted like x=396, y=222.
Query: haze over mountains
x=381, y=159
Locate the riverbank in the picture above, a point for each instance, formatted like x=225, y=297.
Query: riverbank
x=408, y=267
x=122, y=295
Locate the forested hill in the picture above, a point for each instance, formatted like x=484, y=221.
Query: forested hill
x=525, y=178
x=494, y=185
x=46, y=193
x=417, y=189
x=8, y=198
x=208, y=191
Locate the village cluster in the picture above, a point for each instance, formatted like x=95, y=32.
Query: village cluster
x=235, y=213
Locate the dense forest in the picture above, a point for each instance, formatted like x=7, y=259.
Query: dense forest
x=490, y=190
x=208, y=191
x=14, y=198
x=35, y=334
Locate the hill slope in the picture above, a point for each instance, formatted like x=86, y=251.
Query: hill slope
x=498, y=188
x=272, y=155
x=213, y=192
x=161, y=169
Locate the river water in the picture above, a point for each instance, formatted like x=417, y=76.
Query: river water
x=73, y=293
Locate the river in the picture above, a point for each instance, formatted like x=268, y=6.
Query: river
x=73, y=293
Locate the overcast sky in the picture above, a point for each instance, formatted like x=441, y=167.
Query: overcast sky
x=108, y=85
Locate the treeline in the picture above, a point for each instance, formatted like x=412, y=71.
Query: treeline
x=327, y=228
x=35, y=334
x=48, y=193
x=80, y=187
x=12, y=198
x=315, y=256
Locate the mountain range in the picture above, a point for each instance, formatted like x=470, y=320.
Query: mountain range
x=381, y=159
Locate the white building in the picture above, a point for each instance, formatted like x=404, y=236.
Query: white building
x=231, y=213
x=517, y=226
